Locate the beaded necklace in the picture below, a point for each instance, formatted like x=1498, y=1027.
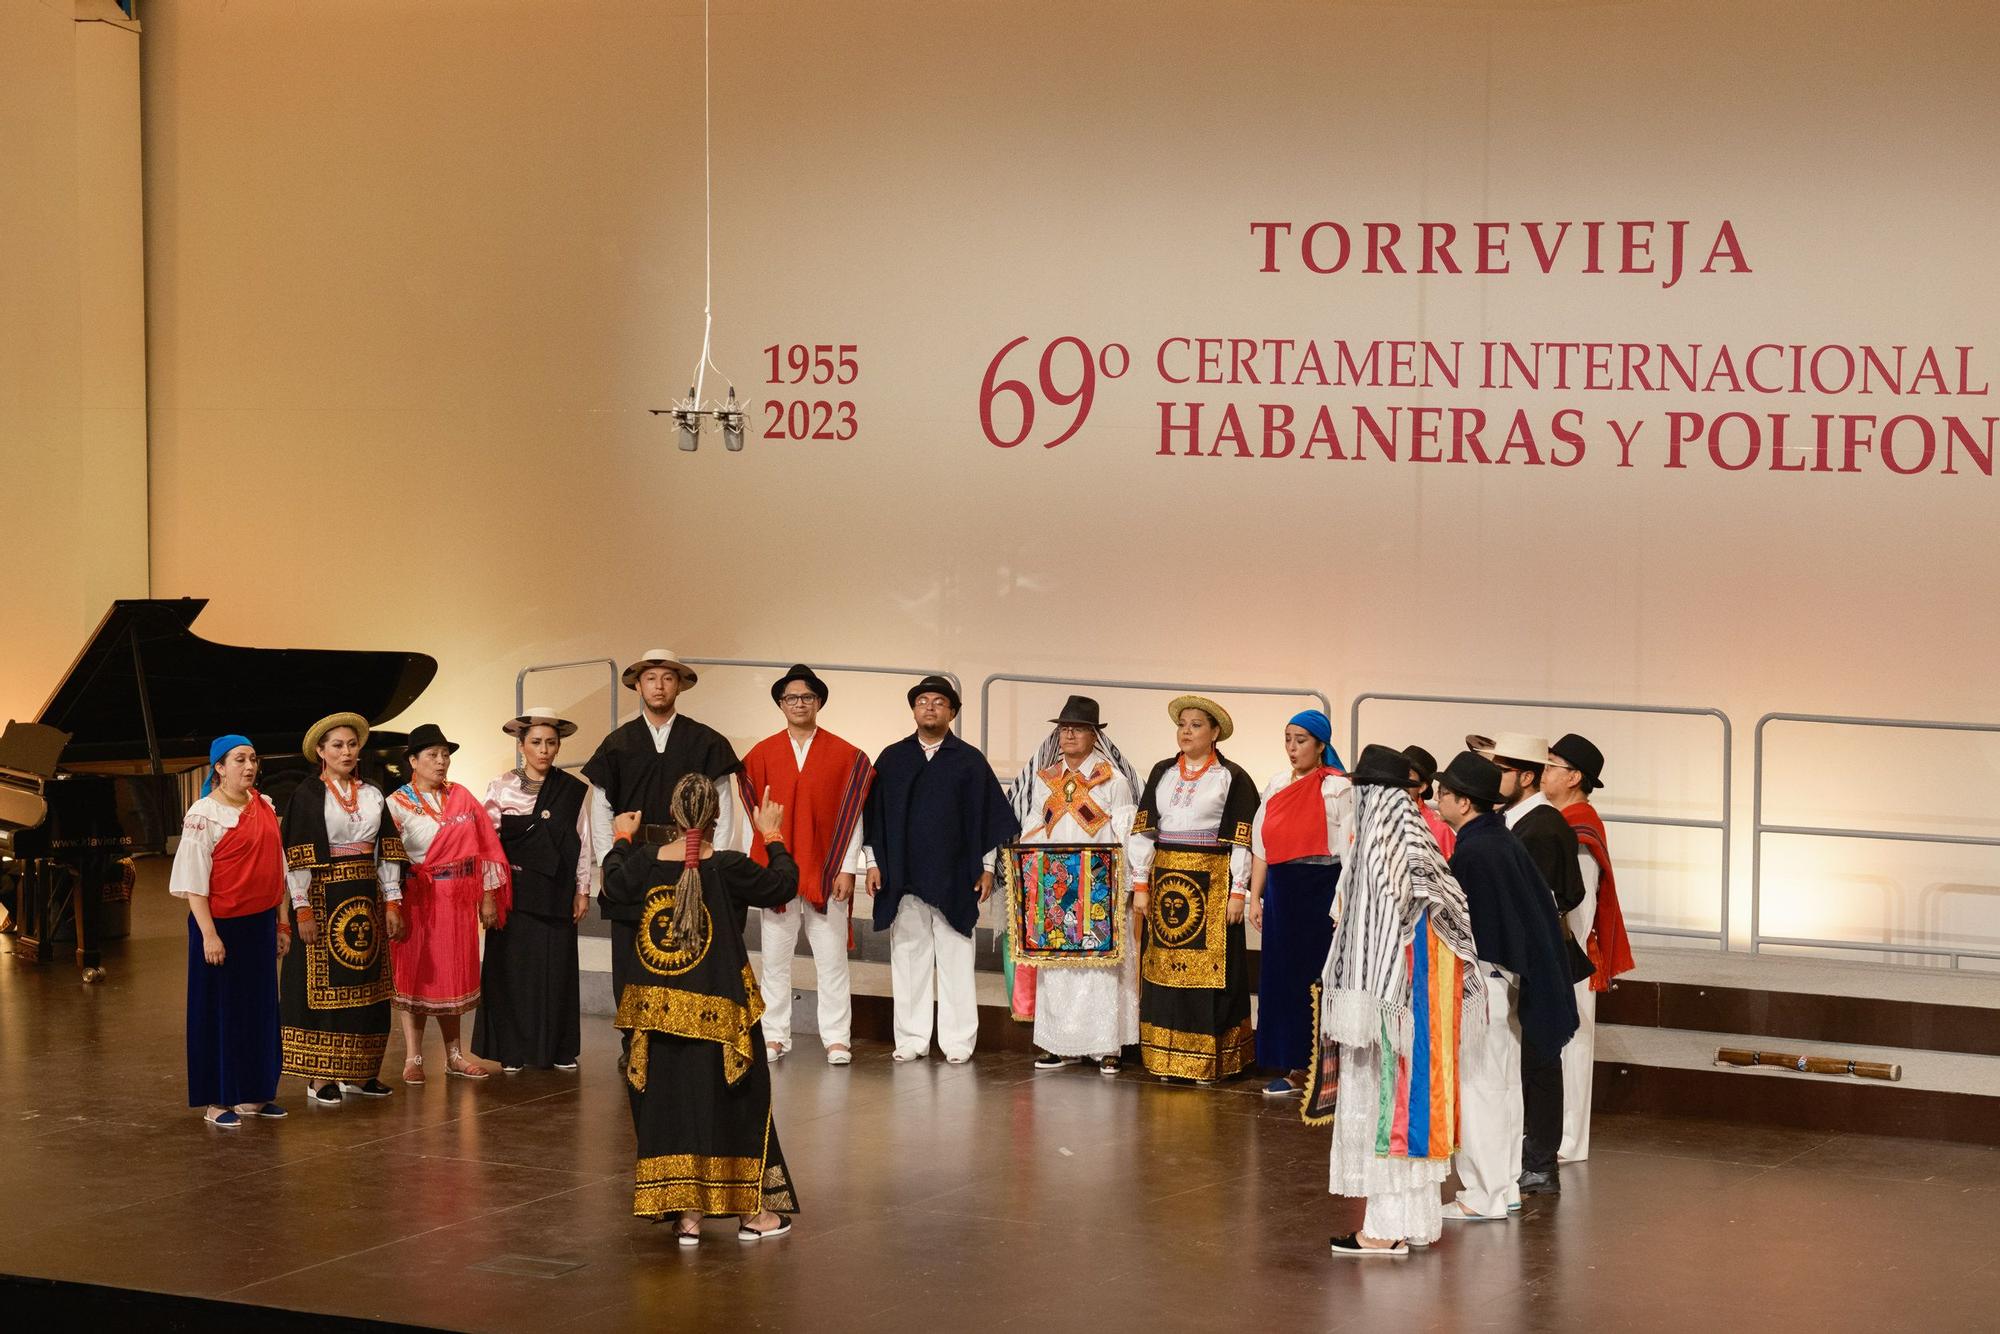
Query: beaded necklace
x=349, y=801
x=425, y=807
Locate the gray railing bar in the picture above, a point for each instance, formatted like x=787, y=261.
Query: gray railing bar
x=1721, y=934
x=1911, y=724
x=1885, y=835
x=521, y=681
x=1666, y=821
x=1952, y=952
x=1179, y=687
x=1758, y=829
x=957, y=723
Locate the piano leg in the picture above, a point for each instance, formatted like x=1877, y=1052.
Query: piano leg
x=87, y=903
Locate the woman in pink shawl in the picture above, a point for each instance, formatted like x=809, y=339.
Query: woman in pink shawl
x=459, y=882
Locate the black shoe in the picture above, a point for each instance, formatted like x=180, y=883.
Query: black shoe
x=374, y=1088
x=327, y=1095
x=1540, y=1183
x=1050, y=1061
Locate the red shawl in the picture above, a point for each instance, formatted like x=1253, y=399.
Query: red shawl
x=1440, y=831
x=247, y=870
x=1609, y=948
x=465, y=845
x=1295, y=820
x=822, y=804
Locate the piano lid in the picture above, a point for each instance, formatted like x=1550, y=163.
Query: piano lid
x=144, y=656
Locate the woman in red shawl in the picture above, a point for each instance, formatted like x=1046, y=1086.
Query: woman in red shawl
x=459, y=882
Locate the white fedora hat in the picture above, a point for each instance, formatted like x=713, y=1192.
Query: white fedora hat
x=537, y=715
x=1521, y=747
x=659, y=657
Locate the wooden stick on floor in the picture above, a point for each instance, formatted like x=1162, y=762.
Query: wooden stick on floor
x=1811, y=1065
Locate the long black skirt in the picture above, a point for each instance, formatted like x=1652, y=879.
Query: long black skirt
x=704, y=1143
x=1298, y=931
x=529, y=997
x=333, y=995
x=1200, y=1032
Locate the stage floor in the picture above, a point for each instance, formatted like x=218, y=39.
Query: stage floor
x=980, y=1197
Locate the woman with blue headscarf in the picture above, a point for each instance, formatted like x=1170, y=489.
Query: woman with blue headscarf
x=230, y=867
x=1303, y=827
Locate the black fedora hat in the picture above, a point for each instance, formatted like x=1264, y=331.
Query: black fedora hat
x=935, y=685
x=1585, y=758
x=425, y=735
x=1473, y=777
x=1423, y=764
x=1079, y=710
x=802, y=674
x=1380, y=766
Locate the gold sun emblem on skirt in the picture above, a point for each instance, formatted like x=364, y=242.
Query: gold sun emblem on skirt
x=1180, y=909
x=350, y=936
x=660, y=954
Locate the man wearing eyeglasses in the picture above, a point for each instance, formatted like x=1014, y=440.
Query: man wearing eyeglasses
x=1574, y=770
x=1552, y=847
x=935, y=820
x=821, y=781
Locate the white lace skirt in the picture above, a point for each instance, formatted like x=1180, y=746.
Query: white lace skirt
x=1088, y=1011
x=1402, y=1193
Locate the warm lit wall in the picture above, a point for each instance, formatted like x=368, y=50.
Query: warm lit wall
x=72, y=336
x=416, y=272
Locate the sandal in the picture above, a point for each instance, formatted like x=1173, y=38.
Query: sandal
x=748, y=1233
x=456, y=1064
x=222, y=1117
x=413, y=1070
x=687, y=1231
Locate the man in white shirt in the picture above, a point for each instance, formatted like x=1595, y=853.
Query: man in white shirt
x=821, y=781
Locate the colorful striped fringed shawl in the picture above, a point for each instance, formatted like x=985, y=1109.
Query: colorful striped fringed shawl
x=1418, y=1113
x=1400, y=972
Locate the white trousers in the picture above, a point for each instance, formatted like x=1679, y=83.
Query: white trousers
x=929, y=960
x=826, y=932
x=1489, y=1103
x=1579, y=1057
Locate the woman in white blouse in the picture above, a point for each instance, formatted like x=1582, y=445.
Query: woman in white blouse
x=230, y=867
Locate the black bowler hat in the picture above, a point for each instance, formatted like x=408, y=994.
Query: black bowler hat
x=1473, y=777
x=1424, y=765
x=803, y=674
x=1585, y=758
x=935, y=685
x=1380, y=766
x=425, y=735
x=1079, y=711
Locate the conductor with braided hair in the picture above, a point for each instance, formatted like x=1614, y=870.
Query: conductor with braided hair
x=699, y=1084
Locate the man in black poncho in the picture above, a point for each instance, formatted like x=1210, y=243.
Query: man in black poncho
x=1528, y=995
x=933, y=821
x=635, y=769
x=1551, y=844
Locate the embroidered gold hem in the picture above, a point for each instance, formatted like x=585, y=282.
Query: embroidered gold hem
x=677, y=1182
x=690, y=1014
x=1168, y=1051
x=318, y=1055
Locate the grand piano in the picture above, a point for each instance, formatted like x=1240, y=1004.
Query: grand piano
x=100, y=774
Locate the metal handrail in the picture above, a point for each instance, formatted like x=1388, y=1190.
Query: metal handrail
x=1758, y=829
x=1721, y=934
x=1178, y=687
x=865, y=669
x=521, y=681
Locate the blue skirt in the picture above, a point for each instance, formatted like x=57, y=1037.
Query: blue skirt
x=232, y=1013
x=1298, y=896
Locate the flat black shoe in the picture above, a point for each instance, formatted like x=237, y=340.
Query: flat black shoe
x=1540, y=1183
x=1050, y=1061
x=374, y=1088
x=327, y=1095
